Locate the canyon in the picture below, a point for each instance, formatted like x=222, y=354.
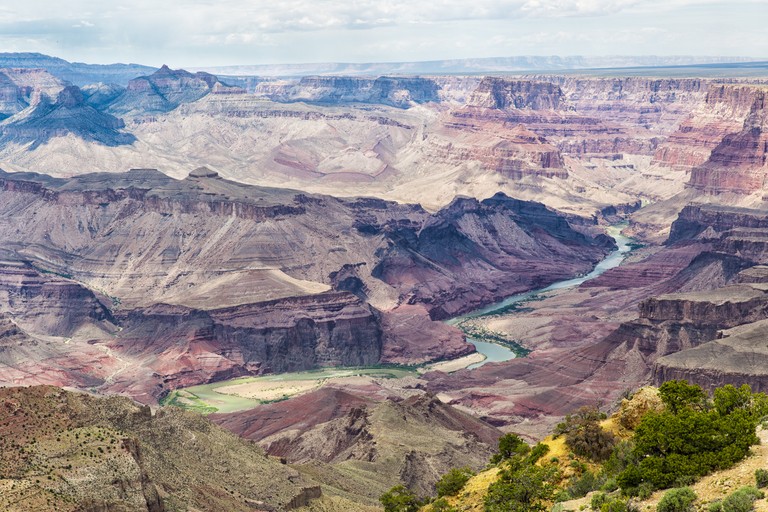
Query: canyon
x=179, y=228
x=242, y=279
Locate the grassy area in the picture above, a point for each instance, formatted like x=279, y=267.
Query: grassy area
x=207, y=399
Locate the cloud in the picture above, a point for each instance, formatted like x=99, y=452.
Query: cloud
x=237, y=31
x=562, y=8
x=301, y=15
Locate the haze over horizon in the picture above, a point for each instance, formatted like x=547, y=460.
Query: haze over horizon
x=190, y=33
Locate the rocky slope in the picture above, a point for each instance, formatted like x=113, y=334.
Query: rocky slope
x=368, y=445
x=68, y=451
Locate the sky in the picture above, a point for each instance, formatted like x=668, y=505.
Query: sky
x=195, y=33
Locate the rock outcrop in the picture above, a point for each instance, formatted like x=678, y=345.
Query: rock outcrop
x=723, y=112
x=50, y=304
x=291, y=334
x=68, y=114
x=732, y=230
x=20, y=88
x=464, y=241
x=738, y=356
x=163, y=91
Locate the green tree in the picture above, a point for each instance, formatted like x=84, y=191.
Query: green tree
x=524, y=489
x=509, y=446
x=400, y=499
x=678, y=394
x=729, y=398
x=453, y=481
x=585, y=436
x=691, y=437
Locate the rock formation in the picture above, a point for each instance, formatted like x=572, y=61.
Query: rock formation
x=78, y=73
x=738, y=163
x=163, y=91
x=68, y=114
x=617, y=331
x=20, y=88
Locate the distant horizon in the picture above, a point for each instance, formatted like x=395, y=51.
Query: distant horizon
x=192, y=33
x=661, y=61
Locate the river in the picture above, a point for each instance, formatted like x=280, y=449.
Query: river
x=494, y=352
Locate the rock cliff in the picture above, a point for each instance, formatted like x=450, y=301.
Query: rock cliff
x=738, y=163
x=723, y=112
x=738, y=356
x=401, y=92
x=291, y=334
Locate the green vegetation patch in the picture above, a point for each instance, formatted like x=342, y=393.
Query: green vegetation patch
x=693, y=436
x=206, y=399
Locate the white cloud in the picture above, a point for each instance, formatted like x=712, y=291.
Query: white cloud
x=249, y=31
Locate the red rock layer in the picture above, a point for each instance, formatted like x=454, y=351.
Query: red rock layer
x=738, y=163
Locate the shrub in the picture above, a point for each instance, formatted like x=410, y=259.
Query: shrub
x=441, y=505
x=742, y=500
x=509, y=446
x=617, y=505
x=453, y=481
x=581, y=485
x=400, y=499
x=597, y=500
x=585, y=436
x=523, y=489
x=692, y=437
x=761, y=478
x=538, y=452
x=677, y=500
